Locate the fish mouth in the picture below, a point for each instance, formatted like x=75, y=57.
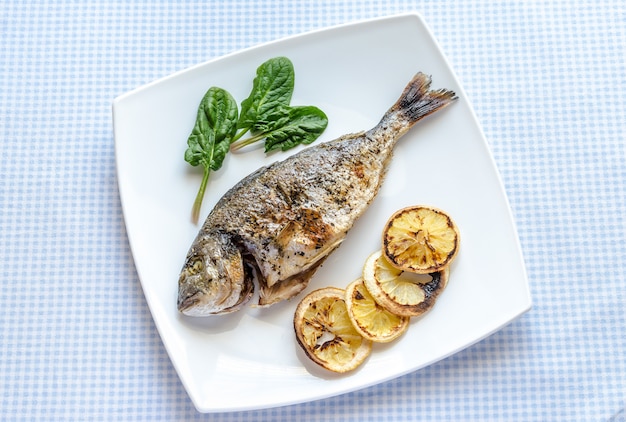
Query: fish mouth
x=187, y=302
x=195, y=301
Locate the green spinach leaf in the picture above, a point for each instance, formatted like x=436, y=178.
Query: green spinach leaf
x=272, y=88
x=209, y=142
x=301, y=125
x=287, y=127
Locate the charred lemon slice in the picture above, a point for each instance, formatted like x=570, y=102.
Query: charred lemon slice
x=370, y=319
x=401, y=292
x=325, y=332
x=420, y=239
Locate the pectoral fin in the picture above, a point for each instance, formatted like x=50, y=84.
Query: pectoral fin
x=308, y=238
x=288, y=288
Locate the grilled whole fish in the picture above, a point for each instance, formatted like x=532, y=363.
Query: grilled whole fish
x=278, y=224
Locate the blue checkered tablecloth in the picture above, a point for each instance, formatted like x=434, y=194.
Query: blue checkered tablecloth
x=547, y=80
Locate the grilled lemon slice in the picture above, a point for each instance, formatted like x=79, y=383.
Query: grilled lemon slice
x=325, y=332
x=370, y=319
x=400, y=292
x=420, y=239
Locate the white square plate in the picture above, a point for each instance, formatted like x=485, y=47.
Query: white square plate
x=250, y=359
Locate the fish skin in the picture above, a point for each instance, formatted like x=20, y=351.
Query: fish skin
x=280, y=223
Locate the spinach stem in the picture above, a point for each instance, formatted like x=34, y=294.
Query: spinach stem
x=197, y=204
x=239, y=135
x=245, y=142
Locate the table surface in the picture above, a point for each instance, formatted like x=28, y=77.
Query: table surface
x=547, y=80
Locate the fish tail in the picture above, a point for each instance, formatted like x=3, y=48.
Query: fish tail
x=418, y=101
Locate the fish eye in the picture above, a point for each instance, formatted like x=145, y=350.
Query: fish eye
x=195, y=266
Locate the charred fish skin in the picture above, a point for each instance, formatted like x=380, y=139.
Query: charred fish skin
x=278, y=224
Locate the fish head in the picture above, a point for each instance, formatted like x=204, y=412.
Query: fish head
x=214, y=279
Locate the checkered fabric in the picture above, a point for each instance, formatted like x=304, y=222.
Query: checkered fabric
x=547, y=80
